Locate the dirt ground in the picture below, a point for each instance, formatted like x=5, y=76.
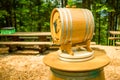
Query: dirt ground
x=31, y=67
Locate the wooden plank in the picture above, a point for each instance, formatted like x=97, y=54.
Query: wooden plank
x=31, y=37
x=26, y=52
x=28, y=34
x=114, y=38
x=26, y=43
x=92, y=43
x=117, y=43
x=32, y=43
x=114, y=32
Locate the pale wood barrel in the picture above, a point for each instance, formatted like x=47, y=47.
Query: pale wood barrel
x=71, y=25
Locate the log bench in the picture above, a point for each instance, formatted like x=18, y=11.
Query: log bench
x=114, y=32
x=117, y=43
x=42, y=39
x=115, y=37
x=26, y=43
x=28, y=38
x=42, y=45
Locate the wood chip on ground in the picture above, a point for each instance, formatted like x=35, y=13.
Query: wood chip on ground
x=31, y=67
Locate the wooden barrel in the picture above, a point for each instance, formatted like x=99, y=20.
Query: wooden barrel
x=71, y=25
x=97, y=74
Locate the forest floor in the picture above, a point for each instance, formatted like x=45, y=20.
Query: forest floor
x=31, y=66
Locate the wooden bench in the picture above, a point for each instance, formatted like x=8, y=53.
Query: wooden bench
x=29, y=38
x=26, y=43
x=28, y=34
x=117, y=43
x=115, y=37
x=114, y=32
x=19, y=39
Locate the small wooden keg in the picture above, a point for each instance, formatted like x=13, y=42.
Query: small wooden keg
x=71, y=25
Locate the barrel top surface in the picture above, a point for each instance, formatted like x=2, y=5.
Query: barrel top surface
x=100, y=60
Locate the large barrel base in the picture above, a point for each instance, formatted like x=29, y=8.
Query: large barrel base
x=87, y=70
x=97, y=74
x=100, y=60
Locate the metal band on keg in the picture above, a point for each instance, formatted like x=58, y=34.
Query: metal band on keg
x=86, y=18
x=92, y=24
x=89, y=26
x=66, y=18
x=70, y=16
x=76, y=75
x=61, y=17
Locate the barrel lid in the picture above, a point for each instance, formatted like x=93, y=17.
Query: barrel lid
x=100, y=60
x=55, y=25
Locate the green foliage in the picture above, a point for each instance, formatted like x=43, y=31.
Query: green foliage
x=27, y=15
x=101, y=12
x=3, y=13
x=72, y=2
x=102, y=7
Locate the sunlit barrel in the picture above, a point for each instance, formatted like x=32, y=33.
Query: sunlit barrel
x=71, y=25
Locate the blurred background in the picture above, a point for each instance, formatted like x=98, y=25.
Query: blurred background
x=34, y=15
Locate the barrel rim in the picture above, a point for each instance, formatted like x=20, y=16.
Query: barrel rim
x=51, y=26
